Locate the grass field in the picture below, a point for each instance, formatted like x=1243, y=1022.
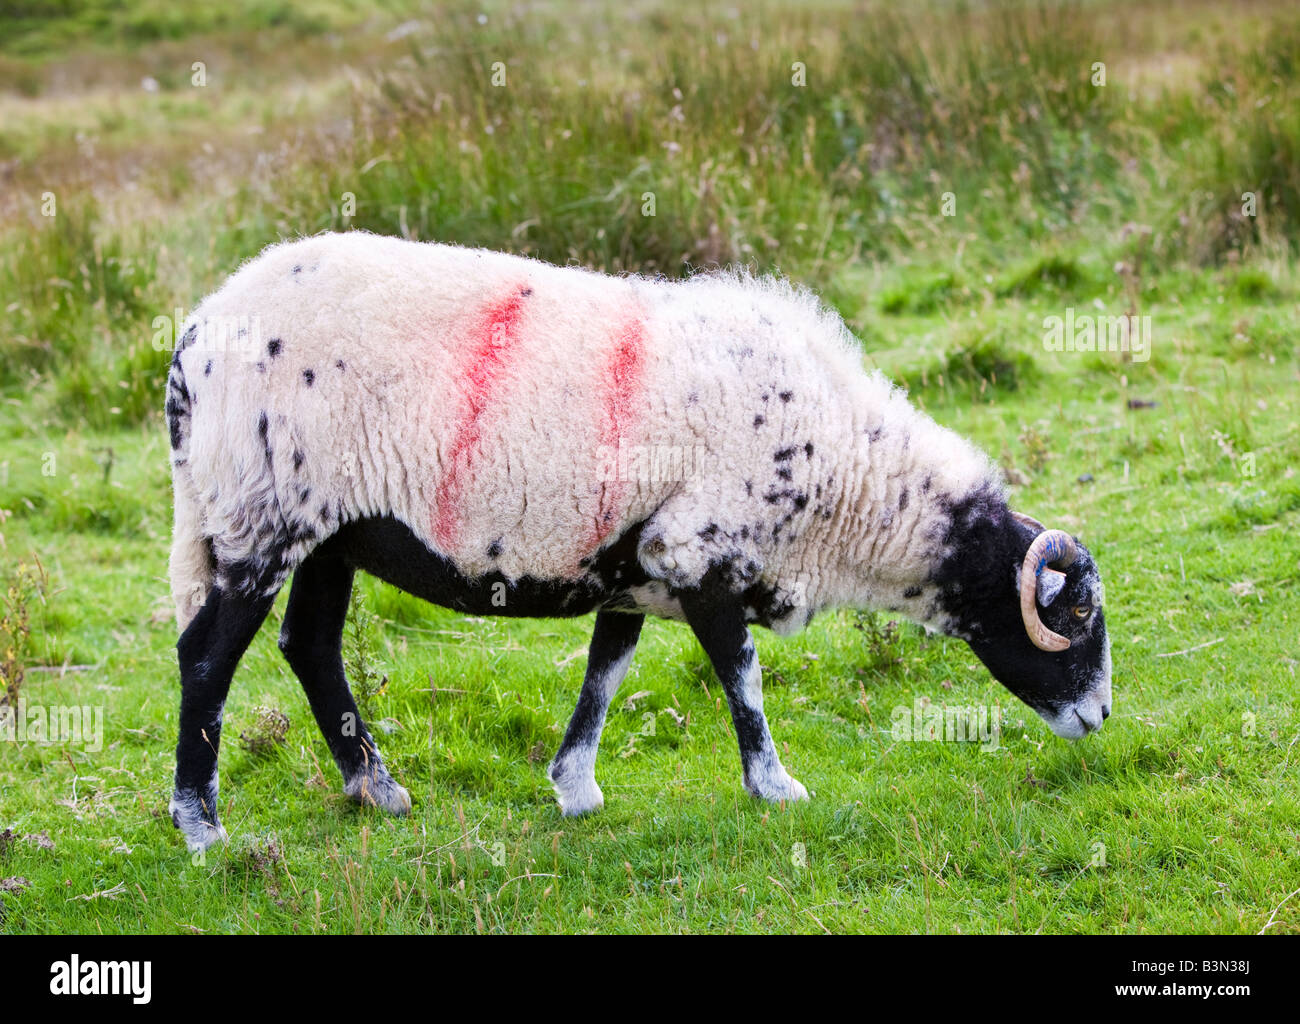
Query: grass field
x=947, y=176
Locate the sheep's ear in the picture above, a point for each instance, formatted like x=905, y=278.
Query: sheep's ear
x=1050, y=585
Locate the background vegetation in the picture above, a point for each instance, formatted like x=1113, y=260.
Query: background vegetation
x=1127, y=197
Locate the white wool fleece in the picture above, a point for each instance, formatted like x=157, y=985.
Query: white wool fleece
x=518, y=417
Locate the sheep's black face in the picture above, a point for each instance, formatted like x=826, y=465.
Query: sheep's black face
x=1069, y=689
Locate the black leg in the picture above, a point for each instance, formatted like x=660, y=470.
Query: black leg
x=208, y=651
x=719, y=624
x=573, y=771
x=311, y=640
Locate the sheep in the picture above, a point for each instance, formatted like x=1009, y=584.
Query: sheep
x=504, y=437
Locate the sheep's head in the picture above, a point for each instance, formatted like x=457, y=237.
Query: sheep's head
x=1037, y=623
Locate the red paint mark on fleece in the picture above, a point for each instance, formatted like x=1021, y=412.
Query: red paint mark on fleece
x=619, y=386
x=494, y=335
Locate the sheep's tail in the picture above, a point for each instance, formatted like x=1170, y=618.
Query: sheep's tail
x=191, y=566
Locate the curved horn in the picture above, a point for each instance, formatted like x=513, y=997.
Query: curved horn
x=1050, y=548
x=1029, y=521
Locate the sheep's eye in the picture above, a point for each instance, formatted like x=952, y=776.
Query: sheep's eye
x=1082, y=611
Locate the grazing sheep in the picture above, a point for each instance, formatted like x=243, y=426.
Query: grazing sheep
x=501, y=436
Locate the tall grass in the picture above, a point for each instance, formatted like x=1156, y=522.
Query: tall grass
x=37, y=27
x=700, y=112
x=82, y=303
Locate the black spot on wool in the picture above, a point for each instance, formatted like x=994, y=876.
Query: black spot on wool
x=263, y=431
x=797, y=498
x=784, y=454
x=759, y=421
x=785, y=396
x=174, y=413
x=273, y=347
x=309, y=377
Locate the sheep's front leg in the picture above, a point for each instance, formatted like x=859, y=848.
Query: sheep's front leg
x=719, y=624
x=573, y=772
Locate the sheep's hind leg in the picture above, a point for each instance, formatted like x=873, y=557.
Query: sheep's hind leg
x=573, y=772
x=719, y=624
x=208, y=651
x=311, y=640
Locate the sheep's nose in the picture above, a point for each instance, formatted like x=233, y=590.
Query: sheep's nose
x=1105, y=712
x=1090, y=717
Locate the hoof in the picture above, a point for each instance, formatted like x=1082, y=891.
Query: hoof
x=196, y=818
x=379, y=790
x=576, y=793
x=775, y=786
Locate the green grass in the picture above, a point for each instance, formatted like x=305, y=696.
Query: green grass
x=1106, y=200
x=37, y=28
